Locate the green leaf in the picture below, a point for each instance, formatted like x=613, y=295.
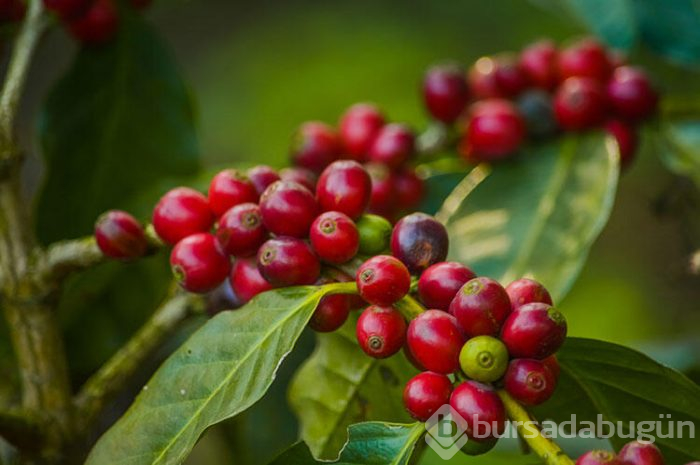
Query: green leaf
x=371, y=443
x=624, y=385
x=118, y=121
x=671, y=28
x=340, y=385
x=224, y=367
x=612, y=20
x=679, y=148
x=537, y=215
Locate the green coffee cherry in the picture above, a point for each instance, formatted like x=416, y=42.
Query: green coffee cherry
x=473, y=447
x=484, y=359
x=375, y=233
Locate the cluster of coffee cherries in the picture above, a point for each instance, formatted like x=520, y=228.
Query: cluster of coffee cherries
x=364, y=135
x=501, y=100
x=632, y=453
x=91, y=21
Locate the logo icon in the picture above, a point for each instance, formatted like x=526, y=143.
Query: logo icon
x=446, y=432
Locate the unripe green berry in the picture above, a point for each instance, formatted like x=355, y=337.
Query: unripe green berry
x=375, y=233
x=484, y=359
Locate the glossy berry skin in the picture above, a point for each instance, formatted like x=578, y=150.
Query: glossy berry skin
x=640, y=453
x=181, y=212
x=445, y=92
x=626, y=138
x=97, y=24
x=419, y=241
x=198, y=263
x=383, y=197
x=439, y=284
x=300, y=175
x=240, y=231
x=537, y=110
x=475, y=401
x=393, y=145
x=435, y=339
x=598, y=457
x=526, y=291
x=228, y=189
x=631, y=94
x=359, y=125
x=494, y=131
x=288, y=261
x=344, y=186
x=330, y=314
x=425, y=393
x=539, y=62
x=552, y=365
x=67, y=9
x=585, y=58
x=375, y=233
x=481, y=306
x=334, y=237
x=262, y=176
x=580, y=103
x=534, y=330
x=288, y=209
x=409, y=188
x=380, y=331
x=246, y=280
x=496, y=77
x=484, y=359
x=529, y=381
x=119, y=235
x=383, y=280
x=315, y=145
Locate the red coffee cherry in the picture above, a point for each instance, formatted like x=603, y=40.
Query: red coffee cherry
x=262, y=176
x=419, y=240
x=481, y=306
x=552, y=365
x=526, y=291
x=640, y=453
x=497, y=77
x=631, y=94
x=439, y=284
x=246, y=280
x=381, y=331
x=288, y=261
x=477, y=402
x=383, y=280
x=181, y=212
x=627, y=140
x=598, y=457
x=384, y=197
x=585, y=58
x=315, y=145
x=435, y=339
x=119, y=235
x=425, y=393
x=494, y=131
x=198, y=263
x=288, y=209
x=330, y=314
x=359, y=126
x=67, y=9
x=344, y=186
x=393, y=145
x=580, y=103
x=97, y=24
x=300, y=175
x=445, y=92
x=241, y=231
x=539, y=62
x=529, y=381
x=334, y=237
x=534, y=330
x=409, y=189
x=228, y=189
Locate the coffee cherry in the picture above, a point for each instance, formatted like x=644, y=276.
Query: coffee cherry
x=585, y=58
x=334, y=237
x=496, y=77
x=288, y=261
x=300, y=175
x=262, y=176
x=393, y=145
x=67, y=9
x=381, y=331
x=539, y=62
x=435, y=339
x=552, y=365
x=529, y=381
x=494, y=131
x=626, y=138
x=181, y=212
x=315, y=145
x=481, y=306
x=439, y=284
x=534, y=330
x=579, y=103
x=631, y=94
x=409, y=189
x=288, y=209
x=484, y=358
x=537, y=109
x=419, y=240
x=359, y=125
x=330, y=314
x=198, y=263
x=475, y=448
x=425, y=393
x=383, y=280
x=510, y=77
x=383, y=197
x=526, y=291
x=640, y=453
x=345, y=187
x=598, y=457
x=375, y=232
x=246, y=280
x=445, y=92
x=97, y=24
x=119, y=235
x=241, y=231
x=477, y=402
x=228, y=189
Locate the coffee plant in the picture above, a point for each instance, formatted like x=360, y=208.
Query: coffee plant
x=430, y=263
